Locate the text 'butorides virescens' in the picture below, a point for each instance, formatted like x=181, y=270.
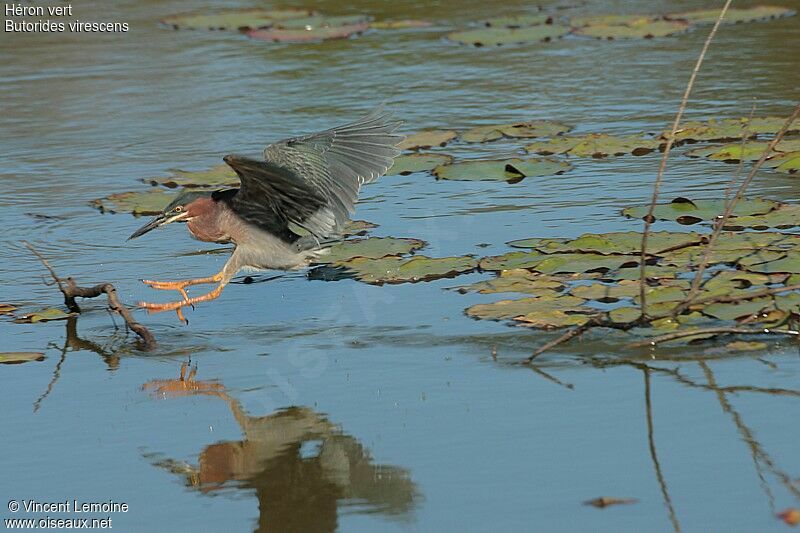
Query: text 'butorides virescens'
x=287, y=207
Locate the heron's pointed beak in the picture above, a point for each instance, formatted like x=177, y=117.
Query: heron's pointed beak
x=157, y=221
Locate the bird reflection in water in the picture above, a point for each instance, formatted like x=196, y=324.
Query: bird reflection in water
x=301, y=466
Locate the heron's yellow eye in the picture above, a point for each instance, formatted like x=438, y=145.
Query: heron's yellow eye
x=179, y=209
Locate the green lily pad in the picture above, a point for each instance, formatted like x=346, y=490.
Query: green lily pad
x=420, y=162
x=605, y=292
x=733, y=15
x=402, y=24
x=510, y=170
x=500, y=36
x=45, y=315
x=596, y=145
x=315, y=22
x=612, y=20
x=14, y=358
x=216, y=176
x=730, y=129
x=737, y=347
x=308, y=34
x=568, y=263
x=624, y=315
x=785, y=216
x=517, y=21
x=7, y=309
x=427, y=139
x=517, y=280
x=541, y=244
x=621, y=242
x=555, y=318
x=524, y=130
x=511, y=260
x=750, y=151
x=788, y=264
x=371, y=248
x=734, y=311
x=394, y=269
x=788, y=163
x=507, y=309
x=640, y=28
x=660, y=294
x=150, y=202
x=685, y=211
x=654, y=272
x=234, y=19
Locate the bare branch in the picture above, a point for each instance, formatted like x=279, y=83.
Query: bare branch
x=648, y=219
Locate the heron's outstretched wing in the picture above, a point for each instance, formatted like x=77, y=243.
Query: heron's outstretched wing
x=333, y=165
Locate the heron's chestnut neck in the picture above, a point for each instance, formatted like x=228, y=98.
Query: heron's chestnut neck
x=203, y=220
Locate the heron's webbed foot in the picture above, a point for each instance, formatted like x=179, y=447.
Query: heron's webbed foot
x=180, y=286
x=177, y=306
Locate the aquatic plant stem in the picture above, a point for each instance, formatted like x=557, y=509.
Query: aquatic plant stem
x=720, y=222
x=574, y=332
x=71, y=290
x=648, y=219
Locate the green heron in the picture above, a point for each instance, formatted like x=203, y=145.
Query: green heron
x=288, y=208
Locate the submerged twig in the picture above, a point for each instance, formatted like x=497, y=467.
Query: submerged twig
x=652, y=341
x=71, y=290
x=574, y=332
x=648, y=219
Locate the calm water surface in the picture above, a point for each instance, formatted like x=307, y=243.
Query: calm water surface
x=323, y=406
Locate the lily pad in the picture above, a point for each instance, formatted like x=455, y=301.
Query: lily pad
x=785, y=216
x=216, y=176
x=624, y=315
x=733, y=311
x=789, y=264
x=402, y=24
x=45, y=315
x=371, y=248
x=606, y=292
x=507, y=309
x=517, y=280
x=427, y=139
x=730, y=129
x=308, y=34
x=14, y=358
x=611, y=20
x=394, y=269
x=411, y=163
x=510, y=170
x=234, y=19
x=622, y=242
x=511, y=260
x=750, y=151
x=150, y=202
x=685, y=211
x=541, y=244
x=788, y=163
x=596, y=145
x=518, y=21
x=733, y=15
x=319, y=21
x=640, y=28
x=524, y=130
x=501, y=36
x=7, y=309
x=568, y=263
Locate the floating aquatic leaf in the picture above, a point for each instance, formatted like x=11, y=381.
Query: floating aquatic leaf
x=44, y=315
x=733, y=311
x=691, y=257
x=730, y=129
x=518, y=21
x=427, y=139
x=622, y=242
x=500, y=36
x=605, y=501
x=596, y=145
x=311, y=34
x=150, y=202
x=612, y=20
x=737, y=346
x=555, y=318
x=789, y=264
x=420, y=162
x=624, y=315
x=685, y=211
x=510, y=170
x=7, y=309
x=400, y=24
x=533, y=128
x=606, y=292
x=216, y=176
x=371, y=248
x=640, y=28
x=234, y=19
x=316, y=22
x=517, y=280
x=660, y=294
x=566, y=263
x=785, y=216
x=511, y=260
x=509, y=309
x=541, y=244
x=13, y=358
x=403, y=270
x=655, y=272
x=733, y=15
x=788, y=163
x=735, y=152
x=358, y=227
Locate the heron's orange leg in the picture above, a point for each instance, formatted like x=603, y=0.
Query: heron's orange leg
x=181, y=285
x=176, y=306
